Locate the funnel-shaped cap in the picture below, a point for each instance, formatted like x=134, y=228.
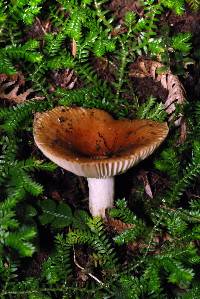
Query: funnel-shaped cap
x=90, y=143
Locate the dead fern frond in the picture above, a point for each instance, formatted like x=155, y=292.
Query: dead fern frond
x=64, y=78
x=10, y=86
x=117, y=225
x=170, y=83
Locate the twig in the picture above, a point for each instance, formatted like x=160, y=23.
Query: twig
x=88, y=273
x=44, y=29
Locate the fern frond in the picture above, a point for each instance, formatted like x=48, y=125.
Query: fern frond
x=152, y=278
x=196, y=123
x=177, y=273
x=79, y=237
x=74, y=26
x=53, y=43
x=191, y=172
x=101, y=243
x=20, y=241
x=21, y=181
x=6, y=65
x=84, y=45
x=57, y=15
x=121, y=77
x=127, y=236
x=8, y=156
x=182, y=42
x=7, y=220
x=168, y=163
x=58, y=267
x=146, y=26
x=103, y=44
x=37, y=77
x=177, y=5
x=87, y=73
x=9, y=149
x=152, y=110
x=29, y=184
x=130, y=287
x=123, y=212
x=26, y=52
x=59, y=62
x=32, y=164
x=89, y=97
x=25, y=10
x=16, y=191
x=102, y=13
x=21, y=112
x=194, y=4
x=95, y=238
x=79, y=97
x=3, y=15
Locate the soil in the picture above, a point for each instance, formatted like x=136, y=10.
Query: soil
x=119, y=8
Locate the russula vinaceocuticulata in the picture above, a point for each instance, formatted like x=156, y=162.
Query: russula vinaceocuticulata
x=90, y=143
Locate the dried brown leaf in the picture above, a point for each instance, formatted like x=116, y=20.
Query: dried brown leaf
x=117, y=225
x=183, y=131
x=63, y=78
x=13, y=83
x=176, y=92
x=74, y=47
x=143, y=176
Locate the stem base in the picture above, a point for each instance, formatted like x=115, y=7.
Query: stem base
x=101, y=195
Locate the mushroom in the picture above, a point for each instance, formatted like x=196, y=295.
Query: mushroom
x=90, y=143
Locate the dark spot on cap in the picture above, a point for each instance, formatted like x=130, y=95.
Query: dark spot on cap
x=55, y=141
x=68, y=131
x=129, y=133
x=152, y=133
x=61, y=119
x=98, y=147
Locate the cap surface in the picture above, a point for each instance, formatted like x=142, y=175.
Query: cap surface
x=90, y=143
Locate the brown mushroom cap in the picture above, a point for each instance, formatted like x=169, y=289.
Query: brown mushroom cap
x=90, y=143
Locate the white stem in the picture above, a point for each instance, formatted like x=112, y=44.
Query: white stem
x=101, y=195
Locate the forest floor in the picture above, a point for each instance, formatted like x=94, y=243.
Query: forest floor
x=62, y=184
